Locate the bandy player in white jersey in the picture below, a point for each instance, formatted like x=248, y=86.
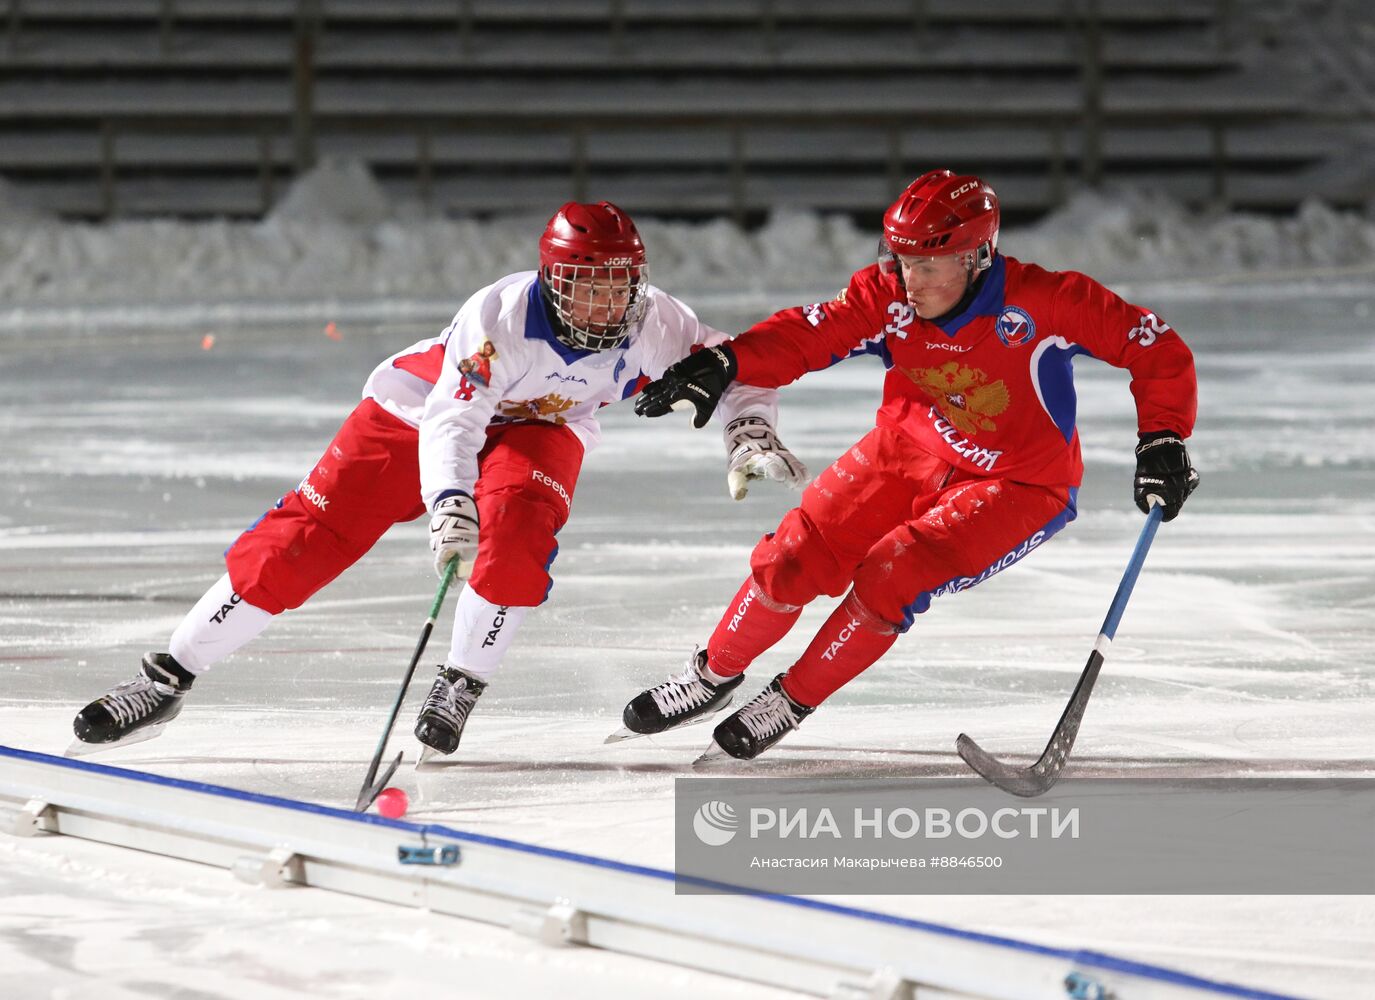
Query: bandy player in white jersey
x=484, y=427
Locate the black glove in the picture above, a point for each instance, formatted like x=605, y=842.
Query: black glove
x=699, y=378
x=1163, y=470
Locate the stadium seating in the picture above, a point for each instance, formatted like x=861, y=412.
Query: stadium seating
x=209, y=107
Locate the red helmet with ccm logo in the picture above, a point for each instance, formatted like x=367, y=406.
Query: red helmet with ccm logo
x=593, y=274
x=940, y=213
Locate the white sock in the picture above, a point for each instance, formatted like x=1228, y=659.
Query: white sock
x=220, y=623
x=482, y=633
x=712, y=677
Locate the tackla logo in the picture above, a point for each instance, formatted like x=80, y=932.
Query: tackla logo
x=497, y=622
x=219, y=616
x=715, y=823
x=841, y=639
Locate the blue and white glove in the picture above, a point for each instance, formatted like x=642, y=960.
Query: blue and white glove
x=453, y=532
x=753, y=451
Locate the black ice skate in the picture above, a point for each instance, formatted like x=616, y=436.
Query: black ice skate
x=440, y=724
x=747, y=733
x=134, y=711
x=681, y=700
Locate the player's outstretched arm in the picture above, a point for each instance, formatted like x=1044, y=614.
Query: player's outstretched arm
x=1163, y=472
x=754, y=451
x=699, y=379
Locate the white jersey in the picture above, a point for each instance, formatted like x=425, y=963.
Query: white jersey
x=499, y=361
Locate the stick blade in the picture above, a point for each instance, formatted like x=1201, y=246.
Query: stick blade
x=369, y=792
x=1026, y=782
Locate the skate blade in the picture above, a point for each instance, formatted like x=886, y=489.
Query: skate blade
x=623, y=734
x=713, y=755
x=428, y=754
x=80, y=748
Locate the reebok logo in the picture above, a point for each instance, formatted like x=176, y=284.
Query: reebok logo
x=312, y=494
x=219, y=616
x=841, y=639
x=554, y=485
x=497, y=622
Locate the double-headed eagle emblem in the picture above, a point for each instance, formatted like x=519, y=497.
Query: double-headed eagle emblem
x=964, y=395
x=550, y=407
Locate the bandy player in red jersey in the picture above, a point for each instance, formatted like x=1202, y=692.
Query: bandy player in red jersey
x=484, y=428
x=973, y=463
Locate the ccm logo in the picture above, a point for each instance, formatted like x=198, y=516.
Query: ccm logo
x=964, y=189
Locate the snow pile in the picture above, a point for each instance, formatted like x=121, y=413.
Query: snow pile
x=336, y=193
x=336, y=237
x=1132, y=233
x=16, y=209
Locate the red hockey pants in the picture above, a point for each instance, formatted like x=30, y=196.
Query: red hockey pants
x=903, y=526
x=896, y=525
x=369, y=479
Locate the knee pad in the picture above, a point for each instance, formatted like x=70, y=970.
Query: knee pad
x=516, y=548
x=793, y=565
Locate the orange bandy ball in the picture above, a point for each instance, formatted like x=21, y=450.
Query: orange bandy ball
x=392, y=803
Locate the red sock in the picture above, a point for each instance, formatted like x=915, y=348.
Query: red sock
x=752, y=624
x=852, y=639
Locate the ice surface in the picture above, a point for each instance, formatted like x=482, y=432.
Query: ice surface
x=132, y=457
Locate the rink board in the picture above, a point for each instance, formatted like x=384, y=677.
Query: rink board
x=559, y=897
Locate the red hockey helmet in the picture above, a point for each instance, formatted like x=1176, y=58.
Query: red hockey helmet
x=593, y=274
x=940, y=213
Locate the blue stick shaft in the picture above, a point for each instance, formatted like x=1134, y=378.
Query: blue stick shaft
x=1124, y=589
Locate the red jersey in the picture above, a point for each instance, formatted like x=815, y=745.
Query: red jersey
x=991, y=389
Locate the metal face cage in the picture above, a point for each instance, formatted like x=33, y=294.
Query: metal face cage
x=597, y=305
